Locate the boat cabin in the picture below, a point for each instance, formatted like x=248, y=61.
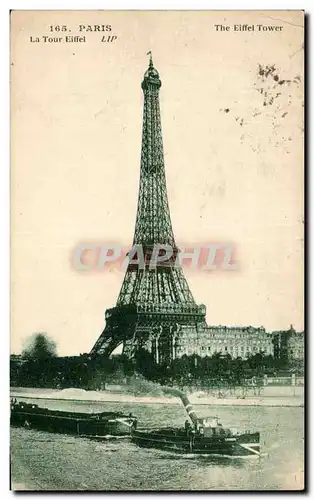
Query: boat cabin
x=211, y=427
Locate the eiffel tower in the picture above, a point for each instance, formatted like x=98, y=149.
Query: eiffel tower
x=155, y=309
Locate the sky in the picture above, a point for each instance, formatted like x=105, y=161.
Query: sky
x=232, y=119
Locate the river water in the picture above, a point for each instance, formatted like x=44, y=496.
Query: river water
x=45, y=461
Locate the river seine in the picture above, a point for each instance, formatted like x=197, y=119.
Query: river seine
x=45, y=461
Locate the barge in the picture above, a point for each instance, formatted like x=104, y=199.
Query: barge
x=100, y=424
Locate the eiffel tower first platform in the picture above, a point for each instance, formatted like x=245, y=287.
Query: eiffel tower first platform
x=155, y=309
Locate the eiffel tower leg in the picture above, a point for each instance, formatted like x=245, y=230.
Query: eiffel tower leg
x=129, y=349
x=106, y=343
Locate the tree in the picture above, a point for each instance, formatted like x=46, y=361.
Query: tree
x=144, y=363
x=40, y=348
x=256, y=362
x=40, y=363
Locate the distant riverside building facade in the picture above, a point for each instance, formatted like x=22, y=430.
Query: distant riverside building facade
x=16, y=358
x=296, y=346
x=289, y=345
x=236, y=341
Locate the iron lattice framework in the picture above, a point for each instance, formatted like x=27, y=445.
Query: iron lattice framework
x=154, y=303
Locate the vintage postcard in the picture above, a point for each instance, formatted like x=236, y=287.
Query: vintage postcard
x=157, y=243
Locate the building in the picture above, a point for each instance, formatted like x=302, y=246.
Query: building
x=16, y=359
x=236, y=341
x=295, y=346
x=289, y=345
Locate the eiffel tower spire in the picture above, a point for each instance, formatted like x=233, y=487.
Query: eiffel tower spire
x=153, y=223
x=150, y=58
x=154, y=304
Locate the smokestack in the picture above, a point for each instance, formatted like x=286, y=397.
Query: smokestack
x=189, y=408
x=185, y=400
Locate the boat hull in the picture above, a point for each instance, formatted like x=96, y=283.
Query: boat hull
x=102, y=424
x=242, y=445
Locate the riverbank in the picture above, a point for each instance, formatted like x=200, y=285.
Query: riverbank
x=197, y=398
